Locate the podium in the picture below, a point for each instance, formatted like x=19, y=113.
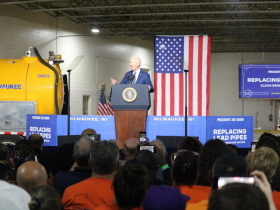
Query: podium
x=130, y=104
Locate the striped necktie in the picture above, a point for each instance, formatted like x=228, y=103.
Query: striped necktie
x=134, y=75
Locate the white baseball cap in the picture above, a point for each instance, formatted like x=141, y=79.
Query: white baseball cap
x=13, y=197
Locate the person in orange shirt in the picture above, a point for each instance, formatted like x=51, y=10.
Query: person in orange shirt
x=276, y=199
x=184, y=175
x=97, y=190
x=130, y=186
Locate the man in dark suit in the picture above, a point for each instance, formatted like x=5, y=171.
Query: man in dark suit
x=140, y=76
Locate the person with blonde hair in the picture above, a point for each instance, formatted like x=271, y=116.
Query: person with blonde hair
x=266, y=160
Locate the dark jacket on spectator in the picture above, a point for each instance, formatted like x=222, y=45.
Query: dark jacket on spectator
x=44, y=159
x=64, y=179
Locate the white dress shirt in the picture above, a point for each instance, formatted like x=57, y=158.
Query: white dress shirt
x=137, y=74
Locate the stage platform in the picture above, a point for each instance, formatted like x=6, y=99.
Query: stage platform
x=237, y=130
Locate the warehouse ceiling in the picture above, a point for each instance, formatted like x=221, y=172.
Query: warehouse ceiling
x=235, y=26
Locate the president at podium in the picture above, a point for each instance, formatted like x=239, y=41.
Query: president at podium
x=136, y=75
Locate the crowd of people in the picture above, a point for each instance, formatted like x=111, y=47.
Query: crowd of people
x=89, y=175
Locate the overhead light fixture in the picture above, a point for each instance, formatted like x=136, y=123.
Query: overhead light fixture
x=95, y=30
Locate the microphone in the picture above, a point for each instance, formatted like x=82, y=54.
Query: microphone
x=127, y=77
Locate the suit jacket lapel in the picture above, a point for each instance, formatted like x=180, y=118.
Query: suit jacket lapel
x=139, y=76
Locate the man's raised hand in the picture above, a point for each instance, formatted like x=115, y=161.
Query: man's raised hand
x=113, y=81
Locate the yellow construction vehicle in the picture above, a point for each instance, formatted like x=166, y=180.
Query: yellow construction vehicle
x=30, y=85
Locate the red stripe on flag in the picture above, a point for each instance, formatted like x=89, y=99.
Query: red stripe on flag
x=163, y=94
x=156, y=92
x=181, y=94
x=208, y=75
x=199, y=76
x=102, y=109
x=172, y=95
x=106, y=109
x=100, y=112
x=190, y=77
x=110, y=109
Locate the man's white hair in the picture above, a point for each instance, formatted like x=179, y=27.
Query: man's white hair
x=160, y=145
x=138, y=59
x=114, y=141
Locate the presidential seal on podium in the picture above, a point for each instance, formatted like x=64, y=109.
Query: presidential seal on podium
x=129, y=94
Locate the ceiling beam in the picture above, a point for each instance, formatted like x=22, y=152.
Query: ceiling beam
x=170, y=13
x=187, y=27
x=240, y=36
x=29, y=2
x=181, y=21
x=154, y=5
x=219, y=34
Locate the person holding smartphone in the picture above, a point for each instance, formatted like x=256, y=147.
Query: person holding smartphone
x=91, y=133
x=148, y=159
x=164, y=171
x=234, y=165
x=253, y=197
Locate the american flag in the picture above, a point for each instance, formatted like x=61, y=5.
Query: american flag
x=173, y=54
x=110, y=109
x=102, y=105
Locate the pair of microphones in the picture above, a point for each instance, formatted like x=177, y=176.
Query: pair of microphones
x=130, y=79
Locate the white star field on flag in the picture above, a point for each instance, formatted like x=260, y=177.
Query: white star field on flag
x=169, y=52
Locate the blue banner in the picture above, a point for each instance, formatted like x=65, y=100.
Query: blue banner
x=232, y=130
x=164, y=126
x=259, y=81
x=103, y=125
x=44, y=125
x=175, y=126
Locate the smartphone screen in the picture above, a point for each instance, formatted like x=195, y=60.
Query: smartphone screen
x=121, y=153
x=91, y=136
x=142, y=137
x=222, y=181
x=174, y=155
x=147, y=147
x=253, y=146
